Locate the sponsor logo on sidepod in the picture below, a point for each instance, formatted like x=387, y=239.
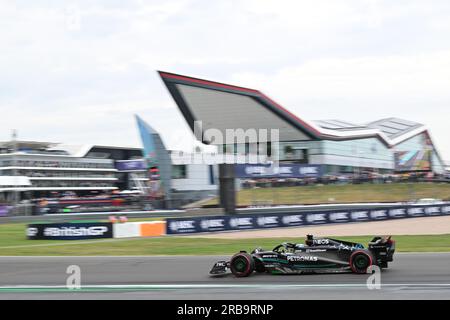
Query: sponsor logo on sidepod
x=74, y=232
x=270, y=256
x=316, y=250
x=302, y=258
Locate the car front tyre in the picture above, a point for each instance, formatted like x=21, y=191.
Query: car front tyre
x=242, y=265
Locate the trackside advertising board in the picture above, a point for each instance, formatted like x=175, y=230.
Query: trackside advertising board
x=130, y=165
x=280, y=171
x=249, y=222
x=69, y=231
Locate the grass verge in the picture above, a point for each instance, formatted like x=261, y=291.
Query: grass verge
x=343, y=193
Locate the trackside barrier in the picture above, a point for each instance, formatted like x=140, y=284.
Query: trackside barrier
x=95, y=230
x=139, y=229
x=263, y=221
x=153, y=229
x=69, y=231
x=127, y=230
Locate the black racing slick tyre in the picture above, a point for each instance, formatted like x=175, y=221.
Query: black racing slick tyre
x=242, y=265
x=360, y=261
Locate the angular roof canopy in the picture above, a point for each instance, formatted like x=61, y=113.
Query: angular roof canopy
x=222, y=106
x=395, y=127
x=338, y=125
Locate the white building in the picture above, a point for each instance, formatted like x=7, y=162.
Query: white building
x=48, y=168
x=39, y=169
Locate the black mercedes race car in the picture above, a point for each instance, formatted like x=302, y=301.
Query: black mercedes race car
x=317, y=255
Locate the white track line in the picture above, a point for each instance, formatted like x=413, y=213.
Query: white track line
x=74, y=242
x=224, y=286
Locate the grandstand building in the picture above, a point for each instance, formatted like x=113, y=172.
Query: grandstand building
x=384, y=146
x=49, y=167
x=30, y=170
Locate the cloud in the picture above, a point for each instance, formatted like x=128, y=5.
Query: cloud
x=396, y=77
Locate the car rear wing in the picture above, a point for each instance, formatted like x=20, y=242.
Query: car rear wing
x=383, y=249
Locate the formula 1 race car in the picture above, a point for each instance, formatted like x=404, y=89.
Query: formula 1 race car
x=317, y=255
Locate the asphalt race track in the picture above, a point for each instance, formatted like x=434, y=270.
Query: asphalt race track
x=411, y=276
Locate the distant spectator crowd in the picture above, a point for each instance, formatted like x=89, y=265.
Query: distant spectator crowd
x=344, y=179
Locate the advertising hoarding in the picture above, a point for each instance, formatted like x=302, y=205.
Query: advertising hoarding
x=263, y=221
x=69, y=231
x=278, y=171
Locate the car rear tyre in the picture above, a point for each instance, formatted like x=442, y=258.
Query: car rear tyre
x=242, y=265
x=360, y=261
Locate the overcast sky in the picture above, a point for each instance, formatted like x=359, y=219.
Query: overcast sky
x=77, y=71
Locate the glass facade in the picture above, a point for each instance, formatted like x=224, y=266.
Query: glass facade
x=370, y=148
x=346, y=156
x=340, y=156
x=179, y=171
x=299, y=152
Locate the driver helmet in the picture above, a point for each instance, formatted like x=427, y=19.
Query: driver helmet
x=309, y=240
